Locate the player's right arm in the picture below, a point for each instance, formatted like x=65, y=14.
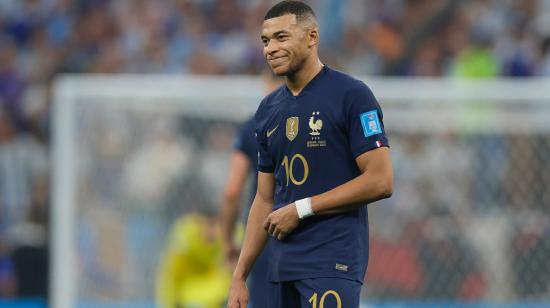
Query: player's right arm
x=254, y=240
x=239, y=170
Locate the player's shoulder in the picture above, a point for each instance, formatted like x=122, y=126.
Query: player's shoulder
x=275, y=97
x=271, y=101
x=346, y=82
x=245, y=133
x=248, y=124
x=346, y=89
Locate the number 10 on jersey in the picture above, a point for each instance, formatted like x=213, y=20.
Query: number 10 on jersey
x=289, y=169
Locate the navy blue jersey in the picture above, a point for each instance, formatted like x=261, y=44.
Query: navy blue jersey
x=310, y=142
x=245, y=142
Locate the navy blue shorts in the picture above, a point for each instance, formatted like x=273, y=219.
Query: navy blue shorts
x=258, y=284
x=315, y=293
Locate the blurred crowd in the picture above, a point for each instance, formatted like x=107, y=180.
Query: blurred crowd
x=40, y=39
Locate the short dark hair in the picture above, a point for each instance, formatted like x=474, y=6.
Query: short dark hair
x=298, y=8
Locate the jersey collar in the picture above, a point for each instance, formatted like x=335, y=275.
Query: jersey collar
x=308, y=86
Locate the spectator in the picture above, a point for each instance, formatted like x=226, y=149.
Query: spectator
x=22, y=162
x=30, y=253
x=12, y=85
x=8, y=282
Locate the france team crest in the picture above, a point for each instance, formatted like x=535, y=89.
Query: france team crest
x=371, y=123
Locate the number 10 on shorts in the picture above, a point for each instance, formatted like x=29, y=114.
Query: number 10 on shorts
x=313, y=299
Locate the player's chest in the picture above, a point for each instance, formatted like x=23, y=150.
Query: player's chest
x=305, y=125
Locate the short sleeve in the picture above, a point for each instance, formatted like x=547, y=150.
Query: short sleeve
x=364, y=121
x=238, y=142
x=245, y=141
x=265, y=160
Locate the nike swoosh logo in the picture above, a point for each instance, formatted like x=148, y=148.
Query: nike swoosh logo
x=270, y=132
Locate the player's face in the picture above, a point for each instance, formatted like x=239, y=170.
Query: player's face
x=285, y=44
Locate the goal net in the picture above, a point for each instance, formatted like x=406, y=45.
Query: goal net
x=468, y=221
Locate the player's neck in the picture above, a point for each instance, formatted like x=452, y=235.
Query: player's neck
x=298, y=81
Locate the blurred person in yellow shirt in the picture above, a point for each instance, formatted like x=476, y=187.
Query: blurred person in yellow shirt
x=192, y=273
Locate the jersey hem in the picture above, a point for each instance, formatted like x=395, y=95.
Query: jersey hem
x=368, y=149
x=266, y=169
x=314, y=275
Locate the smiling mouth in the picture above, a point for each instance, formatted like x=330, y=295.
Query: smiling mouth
x=278, y=60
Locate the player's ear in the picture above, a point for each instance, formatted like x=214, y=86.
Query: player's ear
x=313, y=36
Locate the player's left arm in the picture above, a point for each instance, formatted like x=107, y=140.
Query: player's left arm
x=374, y=183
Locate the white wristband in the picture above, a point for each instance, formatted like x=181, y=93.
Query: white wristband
x=303, y=207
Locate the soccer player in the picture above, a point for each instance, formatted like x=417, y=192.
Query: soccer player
x=191, y=271
x=323, y=156
x=244, y=162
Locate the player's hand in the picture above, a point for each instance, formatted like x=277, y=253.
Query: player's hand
x=238, y=294
x=282, y=222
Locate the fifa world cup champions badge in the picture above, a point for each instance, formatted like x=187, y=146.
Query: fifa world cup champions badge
x=292, y=128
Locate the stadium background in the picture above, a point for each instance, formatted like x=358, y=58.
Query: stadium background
x=449, y=185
